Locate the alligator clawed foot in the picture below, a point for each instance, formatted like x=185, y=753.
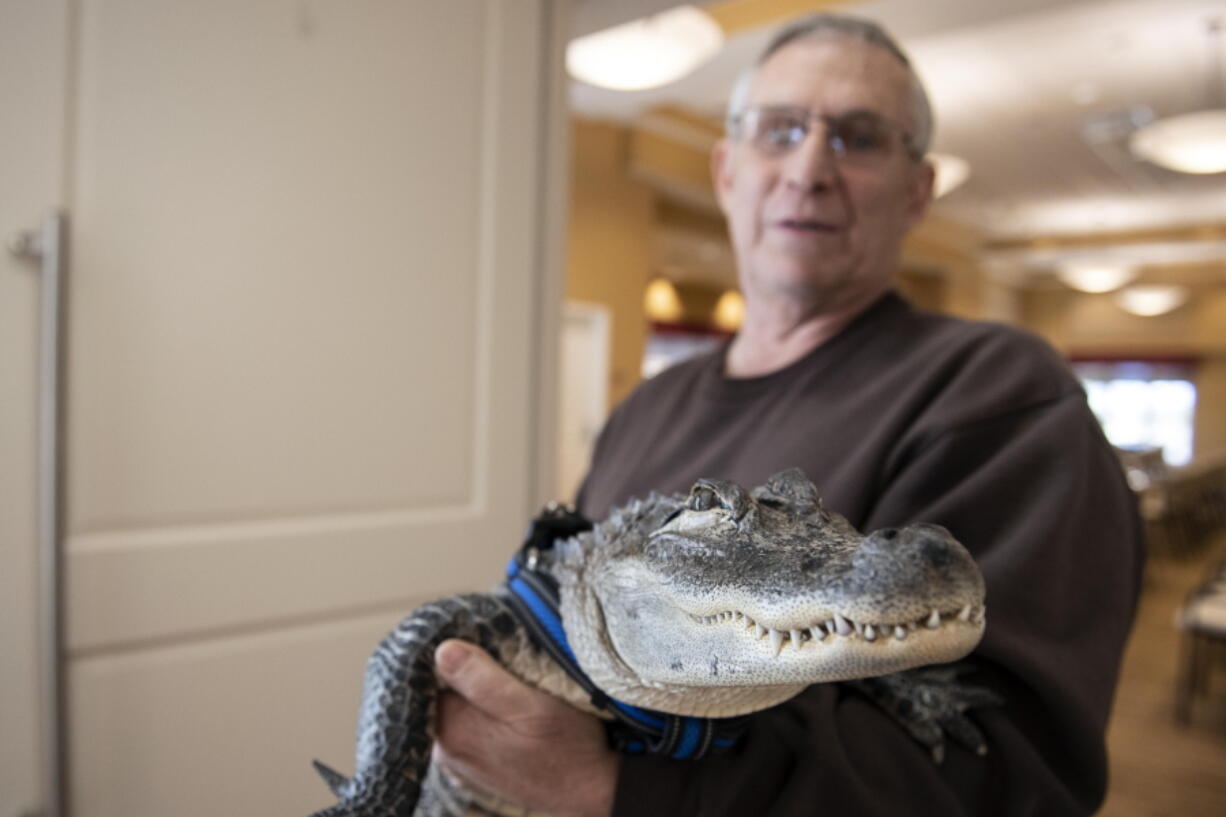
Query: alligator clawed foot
x=931, y=703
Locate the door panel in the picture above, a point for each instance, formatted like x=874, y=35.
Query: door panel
x=309, y=241
x=198, y=728
x=328, y=171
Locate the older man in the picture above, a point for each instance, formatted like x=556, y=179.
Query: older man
x=898, y=416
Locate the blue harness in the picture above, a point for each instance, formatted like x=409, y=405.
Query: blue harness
x=532, y=595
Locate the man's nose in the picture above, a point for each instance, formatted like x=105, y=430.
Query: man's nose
x=812, y=164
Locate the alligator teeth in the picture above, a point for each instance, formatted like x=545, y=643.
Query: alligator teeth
x=776, y=641
x=841, y=626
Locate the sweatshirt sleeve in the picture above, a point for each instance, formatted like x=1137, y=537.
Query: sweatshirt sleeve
x=1037, y=496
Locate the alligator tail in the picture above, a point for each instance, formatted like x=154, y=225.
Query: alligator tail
x=396, y=719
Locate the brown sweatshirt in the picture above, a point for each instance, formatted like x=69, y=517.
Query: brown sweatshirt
x=907, y=417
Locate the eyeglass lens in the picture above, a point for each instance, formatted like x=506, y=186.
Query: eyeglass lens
x=859, y=135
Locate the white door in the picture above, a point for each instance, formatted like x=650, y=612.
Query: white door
x=306, y=345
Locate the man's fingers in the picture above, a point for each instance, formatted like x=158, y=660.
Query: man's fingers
x=471, y=672
x=507, y=738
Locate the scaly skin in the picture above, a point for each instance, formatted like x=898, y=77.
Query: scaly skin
x=717, y=604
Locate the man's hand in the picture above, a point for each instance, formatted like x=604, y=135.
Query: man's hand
x=517, y=742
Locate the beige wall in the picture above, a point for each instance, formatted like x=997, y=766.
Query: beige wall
x=1211, y=406
x=609, y=255
x=941, y=269
x=1084, y=324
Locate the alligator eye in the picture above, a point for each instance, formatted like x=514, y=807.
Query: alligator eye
x=703, y=498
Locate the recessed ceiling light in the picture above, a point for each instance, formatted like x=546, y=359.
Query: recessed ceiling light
x=1191, y=143
x=1150, y=300
x=645, y=53
x=951, y=172
x=1097, y=277
x=661, y=301
x=729, y=311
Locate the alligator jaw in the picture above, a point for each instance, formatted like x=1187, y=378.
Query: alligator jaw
x=831, y=648
x=828, y=629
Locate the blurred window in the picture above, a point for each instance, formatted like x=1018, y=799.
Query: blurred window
x=669, y=344
x=1143, y=405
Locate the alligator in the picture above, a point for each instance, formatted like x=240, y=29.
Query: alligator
x=706, y=606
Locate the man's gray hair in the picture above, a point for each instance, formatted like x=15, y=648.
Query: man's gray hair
x=856, y=28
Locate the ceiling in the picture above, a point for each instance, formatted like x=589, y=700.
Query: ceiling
x=1036, y=94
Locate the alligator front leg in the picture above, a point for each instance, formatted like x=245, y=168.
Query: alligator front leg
x=396, y=719
x=929, y=703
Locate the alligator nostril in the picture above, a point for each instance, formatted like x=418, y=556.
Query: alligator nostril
x=937, y=552
x=888, y=533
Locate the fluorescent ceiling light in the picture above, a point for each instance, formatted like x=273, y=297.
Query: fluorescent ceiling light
x=1097, y=278
x=1151, y=300
x=645, y=53
x=1191, y=143
x=951, y=171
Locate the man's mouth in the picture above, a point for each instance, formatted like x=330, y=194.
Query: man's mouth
x=805, y=225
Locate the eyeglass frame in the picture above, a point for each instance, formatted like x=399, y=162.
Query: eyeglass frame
x=735, y=122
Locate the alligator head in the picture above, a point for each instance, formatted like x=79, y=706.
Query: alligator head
x=725, y=602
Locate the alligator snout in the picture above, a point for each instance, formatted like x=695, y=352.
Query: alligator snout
x=922, y=560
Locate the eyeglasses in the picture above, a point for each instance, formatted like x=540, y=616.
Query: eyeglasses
x=858, y=137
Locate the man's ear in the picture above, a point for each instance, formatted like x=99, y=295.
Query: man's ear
x=721, y=172
x=923, y=179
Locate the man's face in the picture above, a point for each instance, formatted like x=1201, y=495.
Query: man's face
x=807, y=226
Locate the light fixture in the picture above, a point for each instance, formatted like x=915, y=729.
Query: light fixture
x=661, y=301
x=1191, y=142
x=729, y=311
x=645, y=53
x=1151, y=299
x=951, y=171
x=1095, y=277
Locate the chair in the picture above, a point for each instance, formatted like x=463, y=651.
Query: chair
x=1203, y=622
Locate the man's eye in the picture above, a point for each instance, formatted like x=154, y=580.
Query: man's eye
x=862, y=135
x=781, y=132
